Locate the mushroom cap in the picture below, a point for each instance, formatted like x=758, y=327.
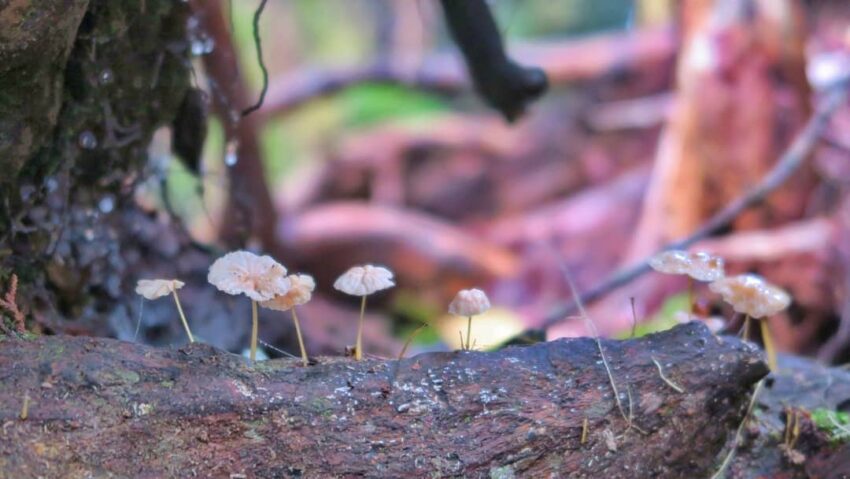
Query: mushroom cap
x=671, y=262
x=261, y=278
x=301, y=288
x=469, y=302
x=706, y=267
x=700, y=266
x=364, y=280
x=750, y=294
x=157, y=288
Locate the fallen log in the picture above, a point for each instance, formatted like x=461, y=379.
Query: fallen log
x=94, y=407
x=782, y=438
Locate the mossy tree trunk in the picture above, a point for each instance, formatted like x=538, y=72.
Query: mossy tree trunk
x=83, y=86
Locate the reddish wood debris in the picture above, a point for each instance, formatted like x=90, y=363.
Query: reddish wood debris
x=100, y=407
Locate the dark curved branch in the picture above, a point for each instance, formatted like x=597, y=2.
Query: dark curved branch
x=502, y=83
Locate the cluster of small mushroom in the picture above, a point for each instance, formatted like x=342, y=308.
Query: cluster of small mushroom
x=266, y=283
x=748, y=294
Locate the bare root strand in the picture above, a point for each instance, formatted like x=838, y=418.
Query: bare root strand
x=670, y=383
x=598, y=341
x=265, y=72
x=737, y=441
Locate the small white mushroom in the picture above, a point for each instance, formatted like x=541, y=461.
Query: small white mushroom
x=751, y=295
x=671, y=262
x=363, y=281
x=698, y=266
x=261, y=278
x=301, y=288
x=706, y=267
x=156, y=288
x=469, y=303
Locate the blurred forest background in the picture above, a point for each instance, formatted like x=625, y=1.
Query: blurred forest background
x=371, y=146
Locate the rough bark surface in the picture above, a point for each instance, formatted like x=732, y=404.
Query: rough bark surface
x=83, y=87
x=35, y=40
x=102, y=408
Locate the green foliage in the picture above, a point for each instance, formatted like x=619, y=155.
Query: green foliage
x=835, y=423
x=529, y=18
x=369, y=104
x=415, y=312
x=663, y=320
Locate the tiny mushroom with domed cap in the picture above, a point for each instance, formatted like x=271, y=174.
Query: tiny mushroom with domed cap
x=157, y=288
x=301, y=288
x=754, y=297
x=261, y=278
x=469, y=303
x=363, y=281
x=698, y=266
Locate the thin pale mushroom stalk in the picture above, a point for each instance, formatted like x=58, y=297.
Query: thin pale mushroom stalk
x=182, y=316
x=754, y=297
x=300, y=292
x=362, y=281
x=469, y=303
x=261, y=278
x=157, y=288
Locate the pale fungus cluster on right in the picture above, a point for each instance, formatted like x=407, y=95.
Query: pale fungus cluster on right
x=748, y=294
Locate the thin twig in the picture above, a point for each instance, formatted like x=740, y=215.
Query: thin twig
x=258, y=44
x=595, y=331
x=634, y=317
x=410, y=340
x=25, y=407
x=139, y=321
x=737, y=440
x=670, y=383
x=584, y=429
x=787, y=165
x=278, y=350
x=632, y=424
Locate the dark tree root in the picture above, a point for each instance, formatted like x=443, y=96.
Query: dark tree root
x=102, y=407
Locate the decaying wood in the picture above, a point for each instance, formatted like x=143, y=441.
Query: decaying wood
x=100, y=407
x=799, y=387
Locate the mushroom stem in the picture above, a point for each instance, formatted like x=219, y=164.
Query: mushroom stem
x=691, y=295
x=300, y=339
x=768, y=344
x=182, y=316
x=468, y=331
x=410, y=340
x=358, y=351
x=254, y=331
x=745, y=329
